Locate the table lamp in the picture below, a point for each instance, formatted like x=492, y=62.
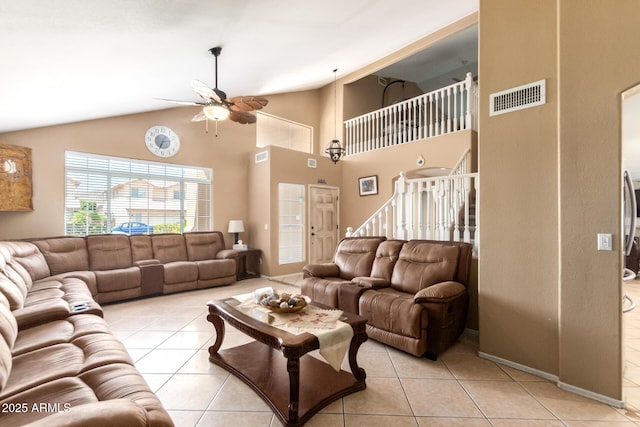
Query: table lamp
x=236, y=226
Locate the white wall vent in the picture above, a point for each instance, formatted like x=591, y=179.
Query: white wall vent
x=517, y=98
x=262, y=156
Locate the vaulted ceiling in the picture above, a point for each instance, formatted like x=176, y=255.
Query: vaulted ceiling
x=72, y=60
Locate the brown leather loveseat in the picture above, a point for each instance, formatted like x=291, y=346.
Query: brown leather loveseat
x=59, y=363
x=414, y=293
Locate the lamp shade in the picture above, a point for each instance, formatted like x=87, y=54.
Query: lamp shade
x=216, y=112
x=236, y=226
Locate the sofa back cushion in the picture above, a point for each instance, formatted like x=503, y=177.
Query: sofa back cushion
x=354, y=256
x=386, y=258
x=8, y=334
x=464, y=259
x=141, y=247
x=29, y=257
x=13, y=284
x=169, y=247
x=109, y=252
x=64, y=254
x=422, y=264
x=203, y=246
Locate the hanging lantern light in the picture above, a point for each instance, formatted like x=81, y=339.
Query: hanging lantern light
x=335, y=150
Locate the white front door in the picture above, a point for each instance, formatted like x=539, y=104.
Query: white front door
x=323, y=223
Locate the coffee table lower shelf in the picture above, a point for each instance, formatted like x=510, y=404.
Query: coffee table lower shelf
x=265, y=371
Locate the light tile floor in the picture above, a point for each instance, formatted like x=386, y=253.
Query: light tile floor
x=168, y=337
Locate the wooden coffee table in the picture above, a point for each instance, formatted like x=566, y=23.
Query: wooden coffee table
x=297, y=385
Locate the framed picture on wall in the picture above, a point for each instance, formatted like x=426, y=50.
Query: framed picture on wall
x=368, y=185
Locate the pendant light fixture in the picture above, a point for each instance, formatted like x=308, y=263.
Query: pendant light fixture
x=334, y=150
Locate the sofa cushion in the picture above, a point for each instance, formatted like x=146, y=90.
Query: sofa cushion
x=29, y=257
x=387, y=255
x=64, y=254
x=8, y=334
x=393, y=311
x=141, y=248
x=422, y=264
x=354, y=256
x=216, y=268
x=58, y=332
x=14, y=293
x=109, y=252
x=203, y=246
x=179, y=272
x=169, y=247
x=64, y=360
x=116, y=280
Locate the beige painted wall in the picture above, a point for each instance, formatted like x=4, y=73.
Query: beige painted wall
x=518, y=188
x=227, y=154
x=550, y=181
x=283, y=166
x=368, y=93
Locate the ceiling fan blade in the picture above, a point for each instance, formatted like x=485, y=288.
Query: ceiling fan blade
x=174, y=101
x=199, y=117
x=242, y=117
x=204, y=91
x=247, y=103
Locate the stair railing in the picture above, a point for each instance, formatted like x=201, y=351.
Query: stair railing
x=438, y=208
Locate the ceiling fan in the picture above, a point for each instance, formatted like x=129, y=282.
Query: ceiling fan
x=215, y=104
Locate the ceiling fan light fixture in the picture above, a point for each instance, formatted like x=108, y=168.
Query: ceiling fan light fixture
x=216, y=112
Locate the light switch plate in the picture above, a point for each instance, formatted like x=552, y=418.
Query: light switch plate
x=605, y=242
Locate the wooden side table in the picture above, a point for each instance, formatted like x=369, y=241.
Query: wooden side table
x=248, y=265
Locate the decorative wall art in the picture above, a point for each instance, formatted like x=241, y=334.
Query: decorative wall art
x=16, y=186
x=368, y=185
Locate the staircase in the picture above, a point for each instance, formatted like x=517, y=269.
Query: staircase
x=438, y=208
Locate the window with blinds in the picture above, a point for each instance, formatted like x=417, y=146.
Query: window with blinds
x=111, y=194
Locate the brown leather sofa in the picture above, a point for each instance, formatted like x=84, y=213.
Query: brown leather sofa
x=414, y=293
x=59, y=364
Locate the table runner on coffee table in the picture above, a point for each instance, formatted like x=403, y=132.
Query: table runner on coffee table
x=334, y=336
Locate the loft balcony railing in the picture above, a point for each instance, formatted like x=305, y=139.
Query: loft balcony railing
x=446, y=110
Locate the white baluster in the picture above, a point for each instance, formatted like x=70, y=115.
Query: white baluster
x=401, y=220
x=410, y=211
x=467, y=206
x=386, y=223
x=455, y=107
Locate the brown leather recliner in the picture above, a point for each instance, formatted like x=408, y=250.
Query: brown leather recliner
x=414, y=295
x=423, y=310
x=354, y=257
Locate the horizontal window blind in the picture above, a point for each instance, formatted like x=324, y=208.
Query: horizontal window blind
x=111, y=194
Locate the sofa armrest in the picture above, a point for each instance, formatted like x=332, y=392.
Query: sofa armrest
x=440, y=292
x=227, y=254
x=371, y=282
x=321, y=270
x=118, y=412
x=144, y=262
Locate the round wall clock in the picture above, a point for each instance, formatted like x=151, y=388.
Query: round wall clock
x=162, y=141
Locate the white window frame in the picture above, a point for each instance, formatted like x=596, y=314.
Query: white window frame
x=291, y=225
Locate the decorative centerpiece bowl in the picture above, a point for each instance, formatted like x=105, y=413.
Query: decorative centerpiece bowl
x=283, y=302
